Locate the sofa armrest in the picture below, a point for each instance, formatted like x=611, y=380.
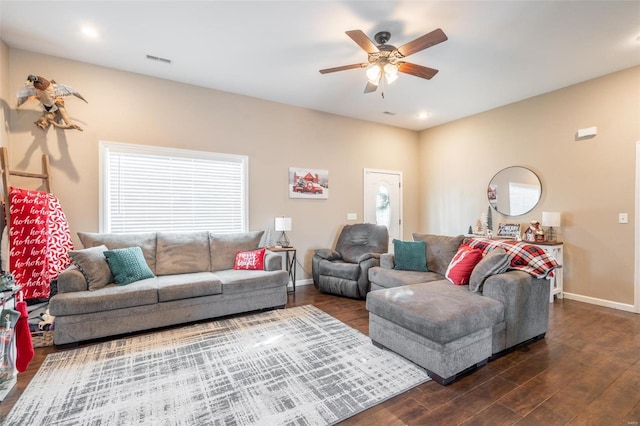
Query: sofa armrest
x=526, y=305
x=387, y=261
x=367, y=256
x=272, y=261
x=328, y=254
x=71, y=279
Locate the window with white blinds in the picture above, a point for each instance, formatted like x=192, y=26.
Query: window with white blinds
x=148, y=188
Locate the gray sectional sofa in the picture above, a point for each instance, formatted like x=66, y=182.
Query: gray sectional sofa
x=448, y=329
x=194, y=280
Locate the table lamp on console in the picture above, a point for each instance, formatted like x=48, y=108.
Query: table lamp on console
x=551, y=220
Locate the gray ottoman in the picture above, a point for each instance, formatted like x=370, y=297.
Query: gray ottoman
x=444, y=328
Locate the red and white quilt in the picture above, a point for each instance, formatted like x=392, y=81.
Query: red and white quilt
x=524, y=257
x=39, y=241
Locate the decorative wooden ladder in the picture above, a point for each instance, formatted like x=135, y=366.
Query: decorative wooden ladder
x=45, y=176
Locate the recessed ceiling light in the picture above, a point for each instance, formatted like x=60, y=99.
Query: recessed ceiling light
x=423, y=115
x=89, y=31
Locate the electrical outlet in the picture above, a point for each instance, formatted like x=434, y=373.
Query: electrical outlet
x=352, y=216
x=623, y=218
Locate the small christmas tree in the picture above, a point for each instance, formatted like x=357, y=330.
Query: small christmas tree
x=489, y=219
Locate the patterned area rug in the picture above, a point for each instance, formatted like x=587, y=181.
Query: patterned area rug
x=292, y=366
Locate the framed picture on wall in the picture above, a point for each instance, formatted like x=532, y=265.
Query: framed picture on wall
x=308, y=183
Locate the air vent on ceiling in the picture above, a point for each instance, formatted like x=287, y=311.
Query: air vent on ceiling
x=389, y=113
x=158, y=58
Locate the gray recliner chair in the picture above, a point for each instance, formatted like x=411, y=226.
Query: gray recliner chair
x=345, y=270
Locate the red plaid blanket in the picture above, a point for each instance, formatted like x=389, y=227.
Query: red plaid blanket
x=524, y=257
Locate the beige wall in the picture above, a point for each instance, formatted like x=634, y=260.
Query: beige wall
x=130, y=108
x=589, y=181
x=5, y=98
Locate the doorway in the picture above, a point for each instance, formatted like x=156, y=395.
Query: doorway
x=383, y=201
x=637, y=233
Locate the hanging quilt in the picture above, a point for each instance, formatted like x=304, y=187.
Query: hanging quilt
x=39, y=240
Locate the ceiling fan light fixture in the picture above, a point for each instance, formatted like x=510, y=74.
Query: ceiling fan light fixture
x=373, y=74
x=390, y=73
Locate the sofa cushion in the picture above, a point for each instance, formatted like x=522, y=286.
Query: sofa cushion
x=185, y=286
x=108, y=298
x=438, y=310
x=93, y=265
x=440, y=250
x=410, y=255
x=495, y=262
x=145, y=240
x=462, y=265
x=223, y=247
x=236, y=282
x=388, y=278
x=182, y=252
x=127, y=265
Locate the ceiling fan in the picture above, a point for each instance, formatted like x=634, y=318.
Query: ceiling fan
x=386, y=61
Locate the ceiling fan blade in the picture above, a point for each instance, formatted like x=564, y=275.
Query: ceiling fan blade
x=370, y=87
x=421, y=43
x=417, y=70
x=363, y=41
x=342, y=68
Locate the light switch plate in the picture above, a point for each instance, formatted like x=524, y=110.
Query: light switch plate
x=352, y=216
x=623, y=218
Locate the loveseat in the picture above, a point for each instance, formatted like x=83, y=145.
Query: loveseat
x=451, y=329
x=192, y=277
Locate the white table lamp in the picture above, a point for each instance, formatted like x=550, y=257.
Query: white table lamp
x=283, y=224
x=551, y=219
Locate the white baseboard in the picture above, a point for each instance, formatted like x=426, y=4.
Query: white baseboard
x=303, y=282
x=600, y=302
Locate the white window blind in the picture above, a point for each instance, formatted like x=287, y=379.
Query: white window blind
x=161, y=189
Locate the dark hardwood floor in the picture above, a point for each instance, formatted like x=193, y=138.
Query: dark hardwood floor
x=585, y=372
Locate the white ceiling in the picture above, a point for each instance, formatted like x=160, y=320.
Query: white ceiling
x=498, y=52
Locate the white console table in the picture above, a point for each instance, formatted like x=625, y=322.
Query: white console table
x=555, y=249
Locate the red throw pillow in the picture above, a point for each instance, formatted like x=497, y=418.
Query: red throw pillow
x=462, y=265
x=250, y=260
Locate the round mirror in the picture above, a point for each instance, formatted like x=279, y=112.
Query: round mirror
x=514, y=191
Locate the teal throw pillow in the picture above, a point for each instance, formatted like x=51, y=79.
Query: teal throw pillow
x=128, y=265
x=410, y=255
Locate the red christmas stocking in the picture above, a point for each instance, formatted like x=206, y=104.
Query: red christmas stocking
x=24, y=347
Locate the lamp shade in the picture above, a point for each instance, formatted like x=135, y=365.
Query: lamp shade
x=283, y=224
x=551, y=219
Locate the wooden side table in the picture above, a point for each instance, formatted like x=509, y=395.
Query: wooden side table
x=290, y=262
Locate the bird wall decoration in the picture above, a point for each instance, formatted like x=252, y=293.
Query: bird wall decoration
x=50, y=95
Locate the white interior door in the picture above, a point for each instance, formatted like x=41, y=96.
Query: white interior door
x=383, y=201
